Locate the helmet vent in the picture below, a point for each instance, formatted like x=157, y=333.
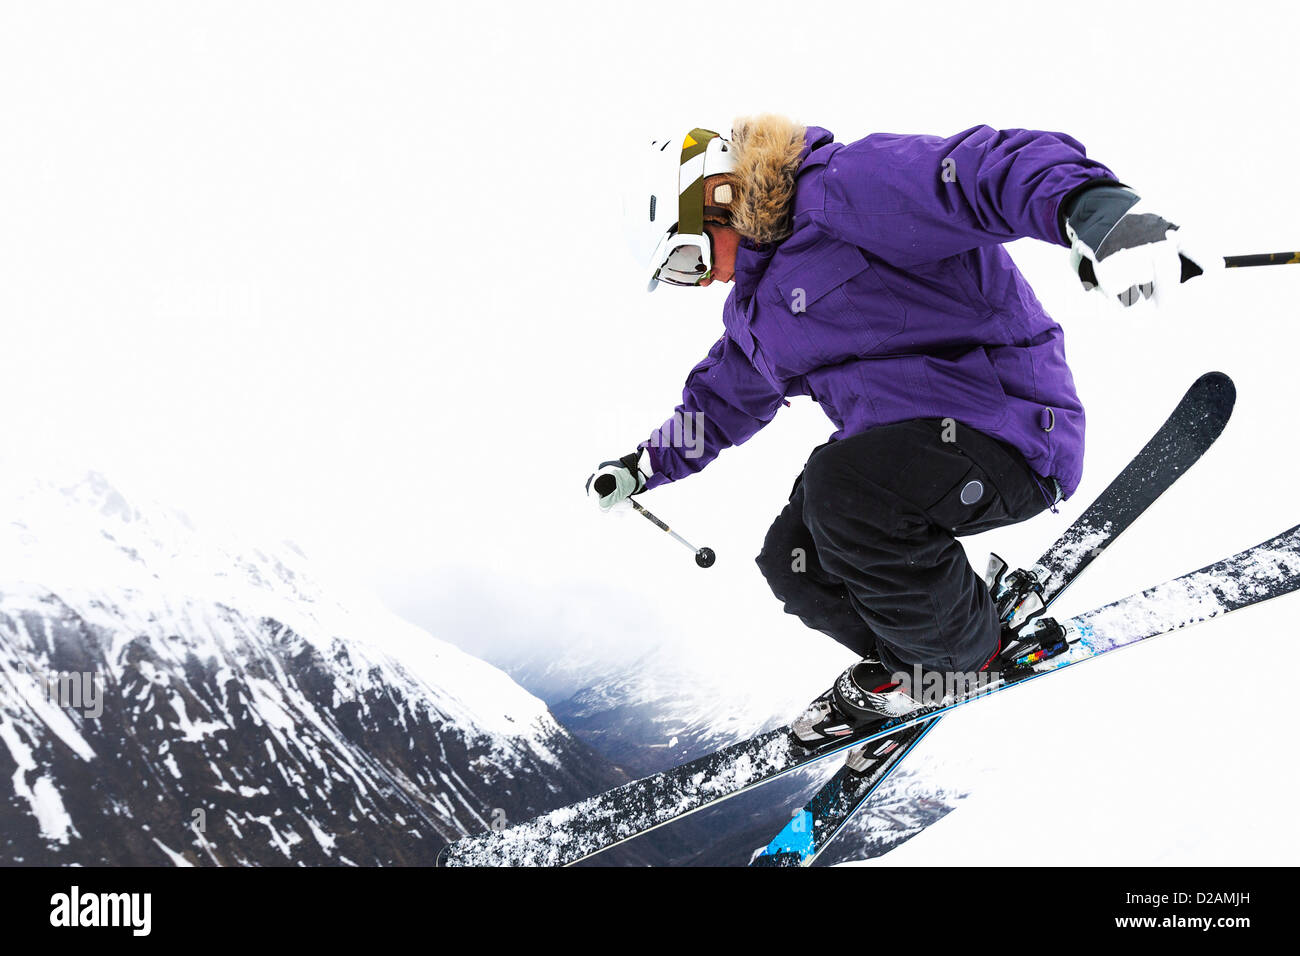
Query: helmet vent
x=652, y=207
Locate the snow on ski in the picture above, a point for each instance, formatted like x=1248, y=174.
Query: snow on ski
x=1188, y=432
x=573, y=833
x=1193, y=426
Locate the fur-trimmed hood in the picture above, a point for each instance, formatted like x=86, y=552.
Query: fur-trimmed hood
x=768, y=150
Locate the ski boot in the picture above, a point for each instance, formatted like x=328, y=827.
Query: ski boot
x=863, y=696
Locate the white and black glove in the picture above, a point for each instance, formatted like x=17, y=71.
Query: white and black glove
x=1127, y=251
x=614, y=481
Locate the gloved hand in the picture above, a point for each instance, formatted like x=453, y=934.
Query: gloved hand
x=614, y=481
x=1128, y=252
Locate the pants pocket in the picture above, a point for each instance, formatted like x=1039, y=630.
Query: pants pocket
x=971, y=505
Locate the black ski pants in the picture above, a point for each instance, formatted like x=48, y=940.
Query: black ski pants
x=866, y=551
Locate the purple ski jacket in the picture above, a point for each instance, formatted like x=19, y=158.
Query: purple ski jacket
x=893, y=299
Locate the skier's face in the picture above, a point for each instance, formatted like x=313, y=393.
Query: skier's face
x=724, y=241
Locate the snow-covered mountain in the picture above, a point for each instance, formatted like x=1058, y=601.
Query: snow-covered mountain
x=232, y=708
x=656, y=714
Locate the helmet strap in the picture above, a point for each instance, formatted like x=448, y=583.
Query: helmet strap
x=690, y=198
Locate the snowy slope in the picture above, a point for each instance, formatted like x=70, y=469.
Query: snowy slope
x=294, y=722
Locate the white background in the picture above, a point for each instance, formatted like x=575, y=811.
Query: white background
x=353, y=274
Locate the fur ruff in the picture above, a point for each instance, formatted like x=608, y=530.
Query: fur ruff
x=767, y=151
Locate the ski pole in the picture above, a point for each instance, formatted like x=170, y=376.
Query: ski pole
x=704, y=557
x=1262, y=259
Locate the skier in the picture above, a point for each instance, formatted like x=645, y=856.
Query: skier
x=871, y=277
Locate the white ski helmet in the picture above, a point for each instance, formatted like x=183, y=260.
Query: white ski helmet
x=682, y=187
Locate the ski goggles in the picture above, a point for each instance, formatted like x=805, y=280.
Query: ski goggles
x=687, y=260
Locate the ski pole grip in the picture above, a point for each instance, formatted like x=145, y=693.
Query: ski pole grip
x=605, y=485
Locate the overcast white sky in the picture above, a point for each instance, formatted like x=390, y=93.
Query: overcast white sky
x=353, y=273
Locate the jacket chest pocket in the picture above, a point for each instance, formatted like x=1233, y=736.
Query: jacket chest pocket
x=837, y=305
